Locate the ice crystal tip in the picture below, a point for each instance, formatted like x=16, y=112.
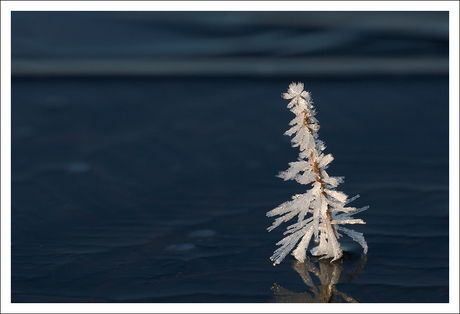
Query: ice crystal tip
x=321, y=210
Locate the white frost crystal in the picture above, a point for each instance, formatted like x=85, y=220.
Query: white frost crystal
x=321, y=210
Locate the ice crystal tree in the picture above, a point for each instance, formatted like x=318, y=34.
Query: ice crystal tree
x=321, y=211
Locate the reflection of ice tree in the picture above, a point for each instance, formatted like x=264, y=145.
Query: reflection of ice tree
x=329, y=274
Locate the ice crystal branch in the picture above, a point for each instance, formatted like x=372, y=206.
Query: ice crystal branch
x=321, y=211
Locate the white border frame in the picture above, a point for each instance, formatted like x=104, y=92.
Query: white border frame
x=8, y=6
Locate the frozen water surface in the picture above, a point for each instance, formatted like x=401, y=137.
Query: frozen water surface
x=185, y=183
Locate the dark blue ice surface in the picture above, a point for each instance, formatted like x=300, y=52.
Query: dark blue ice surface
x=155, y=188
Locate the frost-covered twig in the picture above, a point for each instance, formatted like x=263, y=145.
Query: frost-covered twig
x=321, y=210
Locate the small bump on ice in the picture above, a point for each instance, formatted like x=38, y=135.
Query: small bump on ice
x=78, y=167
x=202, y=233
x=181, y=247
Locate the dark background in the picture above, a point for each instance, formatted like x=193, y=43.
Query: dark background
x=145, y=147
